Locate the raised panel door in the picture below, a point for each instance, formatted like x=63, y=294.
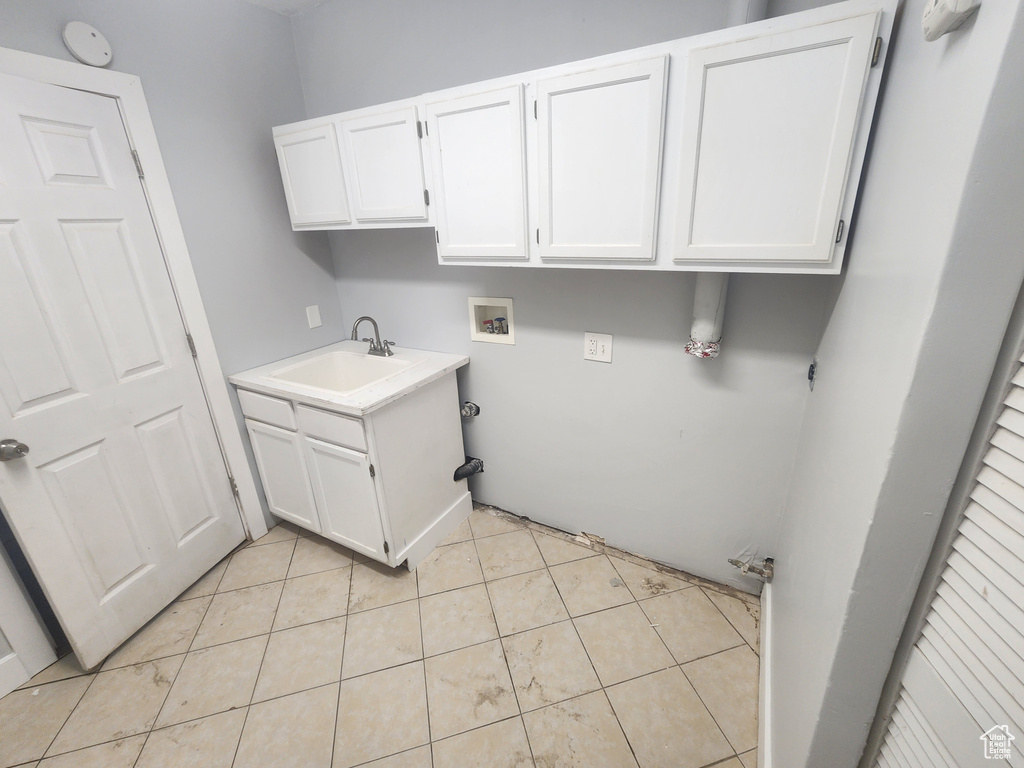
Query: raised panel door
x=768, y=138
x=283, y=473
x=346, y=497
x=599, y=149
x=123, y=500
x=311, y=169
x=479, y=175
x=384, y=165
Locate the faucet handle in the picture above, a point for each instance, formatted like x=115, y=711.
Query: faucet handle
x=373, y=344
x=385, y=348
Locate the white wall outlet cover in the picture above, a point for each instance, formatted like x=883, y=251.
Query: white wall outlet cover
x=942, y=16
x=313, y=316
x=87, y=44
x=597, y=346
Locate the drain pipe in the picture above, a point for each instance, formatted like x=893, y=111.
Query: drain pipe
x=710, y=288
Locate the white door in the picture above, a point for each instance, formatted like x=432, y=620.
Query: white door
x=282, y=469
x=24, y=647
x=314, y=183
x=768, y=134
x=599, y=145
x=384, y=164
x=346, y=498
x=478, y=165
x=961, y=700
x=123, y=500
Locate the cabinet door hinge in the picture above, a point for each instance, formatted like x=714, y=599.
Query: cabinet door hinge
x=138, y=164
x=386, y=548
x=419, y=129
x=191, y=345
x=234, y=486
x=877, y=52
x=538, y=235
x=534, y=109
x=373, y=472
x=839, y=234
x=437, y=236
x=426, y=197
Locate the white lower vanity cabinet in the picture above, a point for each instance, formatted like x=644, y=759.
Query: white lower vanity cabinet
x=381, y=485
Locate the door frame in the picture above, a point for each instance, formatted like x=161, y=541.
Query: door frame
x=127, y=91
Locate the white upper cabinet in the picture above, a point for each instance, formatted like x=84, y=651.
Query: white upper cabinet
x=384, y=165
x=478, y=166
x=599, y=161
x=314, y=183
x=768, y=133
x=737, y=150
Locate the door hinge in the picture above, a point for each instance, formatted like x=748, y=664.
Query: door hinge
x=839, y=233
x=234, y=486
x=419, y=129
x=876, y=54
x=373, y=472
x=437, y=236
x=386, y=548
x=191, y=345
x=534, y=109
x=426, y=197
x=138, y=164
x=538, y=236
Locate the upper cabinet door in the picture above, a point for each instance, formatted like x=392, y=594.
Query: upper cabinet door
x=478, y=171
x=599, y=150
x=314, y=184
x=768, y=135
x=385, y=165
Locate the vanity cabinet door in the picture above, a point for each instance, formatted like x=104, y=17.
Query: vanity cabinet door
x=385, y=165
x=283, y=472
x=478, y=166
x=599, y=139
x=346, y=497
x=314, y=183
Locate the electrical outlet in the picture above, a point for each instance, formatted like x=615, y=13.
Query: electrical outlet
x=597, y=346
x=313, y=316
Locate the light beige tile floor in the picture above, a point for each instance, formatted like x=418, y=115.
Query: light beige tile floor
x=511, y=646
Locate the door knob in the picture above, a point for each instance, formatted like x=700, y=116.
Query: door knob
x=12, y=449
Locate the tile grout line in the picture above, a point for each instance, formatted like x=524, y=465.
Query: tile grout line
x=501, y=644
x=710, y=713
x=732, y=624
x=423, y=664
x=78, y=703
x=646, y=616
x=341, y=664
x=248, y=709
x=156, y=718
x=602, y=686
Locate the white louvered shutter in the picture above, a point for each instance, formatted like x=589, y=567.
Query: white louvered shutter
x=965, y=674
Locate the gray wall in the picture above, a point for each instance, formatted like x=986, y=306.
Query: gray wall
x=682, y=460
x=217, y=75
x=356, y=53
x=904, y=363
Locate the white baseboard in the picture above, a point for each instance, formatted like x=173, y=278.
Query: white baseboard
x=764, y=705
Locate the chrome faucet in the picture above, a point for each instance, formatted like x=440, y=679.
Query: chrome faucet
x=377, y=347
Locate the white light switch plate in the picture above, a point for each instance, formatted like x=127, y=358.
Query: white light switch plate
x=313, y=316
x=597, y=346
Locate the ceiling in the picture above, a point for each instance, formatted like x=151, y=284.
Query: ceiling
x=286, y=7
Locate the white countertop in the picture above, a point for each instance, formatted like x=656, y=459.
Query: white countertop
x=425, y=367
